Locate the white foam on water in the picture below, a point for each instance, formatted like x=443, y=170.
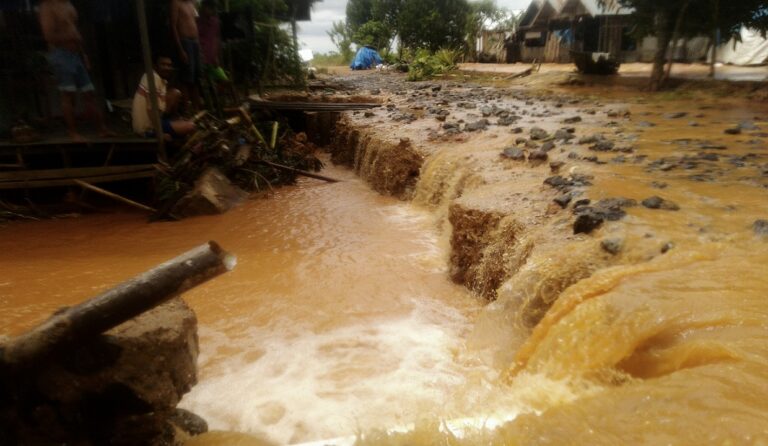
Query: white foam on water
x=306, y=386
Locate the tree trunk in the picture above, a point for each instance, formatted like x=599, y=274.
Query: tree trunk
x=663, y=37
x=715, y=32
x=675, y=37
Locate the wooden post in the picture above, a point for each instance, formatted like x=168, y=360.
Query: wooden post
x=110, y=309
x=150, y=72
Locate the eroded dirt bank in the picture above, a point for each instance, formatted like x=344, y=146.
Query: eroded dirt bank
x=622, y=238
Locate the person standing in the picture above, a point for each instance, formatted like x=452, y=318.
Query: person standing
x=185, y=33
x=70, y=64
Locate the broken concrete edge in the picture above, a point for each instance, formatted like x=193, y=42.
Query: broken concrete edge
x=122, y=388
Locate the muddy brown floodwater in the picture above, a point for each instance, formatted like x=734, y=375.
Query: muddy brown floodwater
x=340, y=317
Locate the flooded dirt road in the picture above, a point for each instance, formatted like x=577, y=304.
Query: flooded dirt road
x=339, y=315
x=644, y=324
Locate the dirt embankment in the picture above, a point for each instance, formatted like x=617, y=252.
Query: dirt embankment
x=541, y=188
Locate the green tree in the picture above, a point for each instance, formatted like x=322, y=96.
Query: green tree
x=341, y=37
x=376, y=34
x=433, y=24
x=359, y=12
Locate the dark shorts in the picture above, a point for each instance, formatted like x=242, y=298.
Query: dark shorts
x=69, y=70
x=167, y=129
x=190, y=72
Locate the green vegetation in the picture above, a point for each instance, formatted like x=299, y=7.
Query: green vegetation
x=426, y=64
x=332, y=59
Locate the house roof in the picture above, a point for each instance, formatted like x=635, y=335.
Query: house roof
x=575, y=8
x=540, y=11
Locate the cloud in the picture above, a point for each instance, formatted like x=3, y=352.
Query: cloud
x=313, y=35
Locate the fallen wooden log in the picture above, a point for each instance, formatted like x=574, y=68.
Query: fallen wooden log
x=111, y=308
x=113, y=196
x=300, y=172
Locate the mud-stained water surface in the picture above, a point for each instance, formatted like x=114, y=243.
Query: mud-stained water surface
x=647, y=325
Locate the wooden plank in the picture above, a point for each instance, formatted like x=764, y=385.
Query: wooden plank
x=66, y=141
x=34, y=184
x=75, y=172
x=114, y=196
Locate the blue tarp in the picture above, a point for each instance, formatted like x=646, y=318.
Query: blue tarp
x=366, y=58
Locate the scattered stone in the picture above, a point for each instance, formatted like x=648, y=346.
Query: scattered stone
x=213, y=194
x=486, y=111
x=593, y=139
x=657, y=202
x=375, y=92
x=538, y=134
x=563, y=200
x=516, y=130
x=612, y=245
x=369, y=114
x=603, y=146
x=477, y=125
x=547, y=146
x=555, y=166
x=505, y=121
x=748, y=125
x=645, y=124
x=659, y=185
x=540, y=156
x=666, y=247
x=587, y=222
x=620, y=113
x=189, y=422
x=450, y=125
x=709, y=157
x=733, y=131
x=563, y=135
x=572, y=120
x=760, y=227
x=513, y=153
x=676, y=115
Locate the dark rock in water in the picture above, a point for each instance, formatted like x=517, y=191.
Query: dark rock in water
x=733, y=131
x=676, y=115
x=573, y=156
x=555, y=166
x=587, y=222
x=563, y=135
x=593, y=139
x=710, y=146
x=572, y=120
x=659, y=184
x=666, y=247
x=563, y=200
x=709, y=157
x=441, y=118
x=436, y=88
x=581, y=203
x=538, y=134
x=557, y=181
x=645, y=124
x=538, y=155
x=486, y=110
x=450, y=125
x=760, y=227
x=513, y=153
x=369, y=114
x=617, y=202
x=657, y=202
x=694, y=124
x=748, y=125
x=612, y=245
x=189, y=422
x=521, y=141
x=505, y=121
x=591, y=159
x=603, y=146
x=546, y=147
x=375, y=92
x=516, y=130
x=531, y=145
x=477, y=125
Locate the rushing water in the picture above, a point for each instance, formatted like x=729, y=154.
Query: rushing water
x=338, y=317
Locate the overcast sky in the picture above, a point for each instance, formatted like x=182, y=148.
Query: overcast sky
x=313, y=35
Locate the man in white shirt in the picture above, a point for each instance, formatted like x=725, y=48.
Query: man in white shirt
x=168, y=101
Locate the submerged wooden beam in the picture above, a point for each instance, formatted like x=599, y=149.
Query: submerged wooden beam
x=300, y=172
x=114, y=196
x=83, y=322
